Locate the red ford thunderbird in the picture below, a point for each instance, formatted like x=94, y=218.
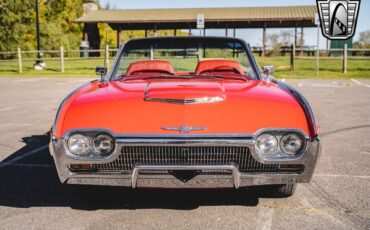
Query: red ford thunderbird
x=185, y=112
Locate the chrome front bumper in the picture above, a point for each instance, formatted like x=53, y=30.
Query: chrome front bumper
x=135, y=179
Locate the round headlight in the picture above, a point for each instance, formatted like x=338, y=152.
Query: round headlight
x=291, y=144
x=103, y=144
x=266, y=144
x=78, y=144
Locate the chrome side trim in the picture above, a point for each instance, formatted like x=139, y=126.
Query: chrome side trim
x=302, y=101
x=63, y=102
x=232, y=168
x=202, y=100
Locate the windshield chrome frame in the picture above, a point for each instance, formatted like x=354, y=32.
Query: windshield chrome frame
x=253, y=63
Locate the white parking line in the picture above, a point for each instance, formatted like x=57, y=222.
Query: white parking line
x=12, y=161
x=342, y=175
x=360, y=83
x=321, y=85
x=6, y=109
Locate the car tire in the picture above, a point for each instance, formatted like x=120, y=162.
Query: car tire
x=285, y=190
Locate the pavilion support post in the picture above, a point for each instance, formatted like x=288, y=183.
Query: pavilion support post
x=234, y=32
x=264, y=41
x=226, y=31
x=146, y=33
x=204, y=31
x=118, y=38
x=190, y=33
x=295, y=35
x=175, y=32
x=155, y=31
x=302, y=41
x=85, y=36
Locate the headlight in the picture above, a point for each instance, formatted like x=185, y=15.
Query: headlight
x=266, y=144
x=78, y=144
x=291, y=144
x=103, y=144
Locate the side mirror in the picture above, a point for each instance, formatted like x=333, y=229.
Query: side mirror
x=100, y=70
x=268, y=70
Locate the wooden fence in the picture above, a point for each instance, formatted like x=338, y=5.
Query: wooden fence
x=61, y=55
x=326, y=54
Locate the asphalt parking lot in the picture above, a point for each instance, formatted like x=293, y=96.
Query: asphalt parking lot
x=338, y=197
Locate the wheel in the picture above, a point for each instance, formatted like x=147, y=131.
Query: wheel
x=276, y=191
x=285, y=190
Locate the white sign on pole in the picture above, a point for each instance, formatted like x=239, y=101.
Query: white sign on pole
x=200, y=21
x=317, y=23
x=317, y=19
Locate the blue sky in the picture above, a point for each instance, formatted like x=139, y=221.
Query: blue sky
x=253, y=36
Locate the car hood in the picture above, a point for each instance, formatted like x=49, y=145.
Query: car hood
x=151, y=106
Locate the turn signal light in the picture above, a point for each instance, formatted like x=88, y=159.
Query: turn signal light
x=291, y=167
x=81, y=167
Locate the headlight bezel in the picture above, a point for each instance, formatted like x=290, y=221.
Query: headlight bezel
x=293, y=153
x=279, y=154
x=91, y=154
x=81, y=137
x=273, y=138
x=99, y=152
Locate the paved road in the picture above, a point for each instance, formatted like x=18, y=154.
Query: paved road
x=30, y=194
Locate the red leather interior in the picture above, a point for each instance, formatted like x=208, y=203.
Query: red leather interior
x=182, y=73
x=150, y=66
x=219, y=66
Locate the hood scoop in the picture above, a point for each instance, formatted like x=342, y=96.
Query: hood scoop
x=185, y=92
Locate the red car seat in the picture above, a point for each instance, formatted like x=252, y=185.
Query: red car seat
x=150, y=67
x=219, y=66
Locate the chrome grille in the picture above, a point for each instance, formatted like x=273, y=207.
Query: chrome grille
x=189, y=155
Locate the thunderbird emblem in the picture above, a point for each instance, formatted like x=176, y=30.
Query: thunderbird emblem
x=184, y=129
x=338, y=18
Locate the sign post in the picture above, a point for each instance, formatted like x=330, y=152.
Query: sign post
x=200, y=22
x=317, y=23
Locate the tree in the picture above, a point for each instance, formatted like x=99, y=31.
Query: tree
x=286, y=37
x=365, y=37
x=57, y=27
x=274, y=43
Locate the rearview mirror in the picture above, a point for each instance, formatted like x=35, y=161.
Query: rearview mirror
x=268, y=70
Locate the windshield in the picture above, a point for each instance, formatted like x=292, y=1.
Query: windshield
x=178, y=57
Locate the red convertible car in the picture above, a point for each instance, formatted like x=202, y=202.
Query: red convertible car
x=185, y=112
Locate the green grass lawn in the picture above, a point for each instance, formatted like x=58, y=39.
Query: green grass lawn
x=304, y=68
x=72, y=68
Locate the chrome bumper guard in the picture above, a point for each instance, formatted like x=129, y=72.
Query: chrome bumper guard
x=231, y=168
